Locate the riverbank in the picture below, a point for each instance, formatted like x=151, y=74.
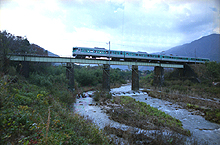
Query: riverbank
x=209, y=108
x=97, y=113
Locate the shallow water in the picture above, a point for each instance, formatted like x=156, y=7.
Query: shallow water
x=95, y=113
x=201, y=129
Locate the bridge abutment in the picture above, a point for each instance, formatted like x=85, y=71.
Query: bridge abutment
x=188, y=73
x=158, y=76
x=106, y=77
x=135, y=78
x=70, y=74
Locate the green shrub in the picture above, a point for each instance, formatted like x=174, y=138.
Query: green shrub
x=102, y=95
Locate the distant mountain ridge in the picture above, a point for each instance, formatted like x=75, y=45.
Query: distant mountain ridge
x=205, y=47
x=43, y=51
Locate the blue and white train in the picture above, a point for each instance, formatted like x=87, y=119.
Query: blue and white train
x=83, y=52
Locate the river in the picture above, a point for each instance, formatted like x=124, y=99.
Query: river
x=201, y=129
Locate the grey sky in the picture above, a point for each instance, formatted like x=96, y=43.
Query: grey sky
x=133, y=25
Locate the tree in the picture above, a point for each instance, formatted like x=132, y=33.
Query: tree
x=6, y=42
x=11, y=44
x=213, y=71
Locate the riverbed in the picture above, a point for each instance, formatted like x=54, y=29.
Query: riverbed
x=202, y=130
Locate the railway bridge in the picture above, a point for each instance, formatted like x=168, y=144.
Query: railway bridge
x=69, y=61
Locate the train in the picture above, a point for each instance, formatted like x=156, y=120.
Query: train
x=115, y=55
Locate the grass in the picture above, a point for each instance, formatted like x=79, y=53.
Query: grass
x=204, y=89
x=139, y=114
x=32, y=114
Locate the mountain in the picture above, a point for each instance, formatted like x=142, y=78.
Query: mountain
x=205, y=47
x=52, y=54
x=41, y=51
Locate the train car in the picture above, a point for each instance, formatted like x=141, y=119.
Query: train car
x=83, y=52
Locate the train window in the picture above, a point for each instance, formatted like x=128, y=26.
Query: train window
x=121, y=52
x=136, y=54
x=75, y=49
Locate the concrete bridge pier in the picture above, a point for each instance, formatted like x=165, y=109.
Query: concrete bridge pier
x=70, y=74
x=158, y=76
x=25, y=68
x=135, y=78
x=106, y=77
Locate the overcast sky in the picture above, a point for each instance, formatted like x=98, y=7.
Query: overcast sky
x=132, y=25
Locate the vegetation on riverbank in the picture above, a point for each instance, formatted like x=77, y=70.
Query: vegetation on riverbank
x=32, y=114
x=201, y=97
x=141, y=115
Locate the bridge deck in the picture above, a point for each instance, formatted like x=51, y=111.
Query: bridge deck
x=88, y=61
